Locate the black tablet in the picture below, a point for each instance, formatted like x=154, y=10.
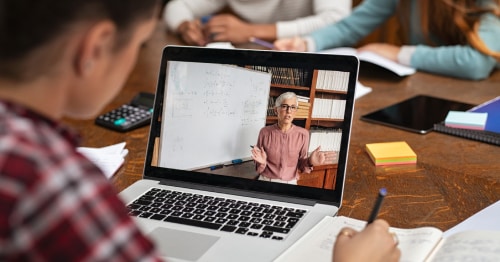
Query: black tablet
x=416, y=114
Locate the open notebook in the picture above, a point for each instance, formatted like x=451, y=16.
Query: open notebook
x=209, y=107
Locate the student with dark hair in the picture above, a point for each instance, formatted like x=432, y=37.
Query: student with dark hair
x=61, y=58
x=452, y=38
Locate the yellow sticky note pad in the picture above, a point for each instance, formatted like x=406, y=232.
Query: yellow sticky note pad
x=391, y=153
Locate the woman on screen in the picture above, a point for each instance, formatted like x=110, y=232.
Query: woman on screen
x=281, y=149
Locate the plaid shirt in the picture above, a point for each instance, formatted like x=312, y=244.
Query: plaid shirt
x=55, y=205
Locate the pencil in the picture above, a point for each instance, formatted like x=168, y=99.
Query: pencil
x=261, y=42
x=378, y=203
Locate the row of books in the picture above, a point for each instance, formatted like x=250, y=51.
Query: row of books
x=329, y=140
x=332, y=80
x=270, y=106
x=328, y=108
x=286, y=75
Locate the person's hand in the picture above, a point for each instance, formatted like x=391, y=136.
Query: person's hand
x=191, y=32
x=259, y=155
x=386, y=50
x=291, y=44
x=227, y=28
x=318, y=158
x=374, y=243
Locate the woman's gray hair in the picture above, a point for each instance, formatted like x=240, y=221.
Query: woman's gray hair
x=284, y=96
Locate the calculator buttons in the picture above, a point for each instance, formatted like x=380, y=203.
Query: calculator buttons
x=125, y=117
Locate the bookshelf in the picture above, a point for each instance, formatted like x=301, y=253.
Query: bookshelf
x=323, y=95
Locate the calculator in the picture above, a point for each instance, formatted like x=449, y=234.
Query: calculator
x=129, y=116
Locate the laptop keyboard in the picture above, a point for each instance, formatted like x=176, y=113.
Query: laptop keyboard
x=224, y=214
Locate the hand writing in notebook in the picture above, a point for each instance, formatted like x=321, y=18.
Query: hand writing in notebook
x=374, y=243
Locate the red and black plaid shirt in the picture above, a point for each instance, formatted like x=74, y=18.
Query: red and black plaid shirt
x=55, y=205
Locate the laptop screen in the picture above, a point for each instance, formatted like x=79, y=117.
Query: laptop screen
x=211, y=105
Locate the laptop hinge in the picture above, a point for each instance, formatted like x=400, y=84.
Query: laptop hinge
x=240, y=192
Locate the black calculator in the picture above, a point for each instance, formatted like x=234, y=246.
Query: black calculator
x=129, y=116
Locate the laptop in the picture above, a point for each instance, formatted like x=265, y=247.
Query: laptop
x=209, y=107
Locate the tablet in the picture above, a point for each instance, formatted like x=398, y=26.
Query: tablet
x=417, y=114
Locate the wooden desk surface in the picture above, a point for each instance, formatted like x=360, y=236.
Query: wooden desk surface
x=453, y=179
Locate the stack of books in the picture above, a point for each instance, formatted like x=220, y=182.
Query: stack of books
x=304, y=107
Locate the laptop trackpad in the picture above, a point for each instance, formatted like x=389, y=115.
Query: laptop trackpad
x=181, y=244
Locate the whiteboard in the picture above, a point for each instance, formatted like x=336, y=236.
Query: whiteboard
x=212, y=113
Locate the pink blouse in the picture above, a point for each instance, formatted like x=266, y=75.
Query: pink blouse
x=286, y=152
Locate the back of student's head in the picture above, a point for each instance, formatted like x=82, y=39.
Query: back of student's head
x=27, y=26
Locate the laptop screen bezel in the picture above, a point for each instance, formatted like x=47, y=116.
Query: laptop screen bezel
x=255, y=57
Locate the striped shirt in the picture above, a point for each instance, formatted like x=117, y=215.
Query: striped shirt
x=55, y=205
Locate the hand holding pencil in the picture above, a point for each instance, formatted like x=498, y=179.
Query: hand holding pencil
x=374, y=243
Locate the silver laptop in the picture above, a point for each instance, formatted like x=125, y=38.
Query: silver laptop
x=200, y=198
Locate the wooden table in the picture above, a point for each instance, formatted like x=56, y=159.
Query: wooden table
x=453, y=179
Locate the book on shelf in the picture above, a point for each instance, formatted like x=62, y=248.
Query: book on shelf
x=416, y=244
x=373, y=58
x=302, y=99
x=328, y=108
x=270, y=106
x=302, y=113
x=332, y=80
x=328, y=139
x=491, y=132
x=304, y=105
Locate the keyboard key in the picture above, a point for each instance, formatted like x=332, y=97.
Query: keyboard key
x=228, y=228
x=158, y=217
x=192, y=222
x=242, y=230
x=276, y=229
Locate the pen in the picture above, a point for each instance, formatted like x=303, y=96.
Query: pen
x=378, y=203
x=261, y=42
x=216, y=167
x=258, y=150
x=205, y=19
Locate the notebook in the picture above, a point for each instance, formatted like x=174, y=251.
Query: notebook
x=209, y=107
x=491, y=133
